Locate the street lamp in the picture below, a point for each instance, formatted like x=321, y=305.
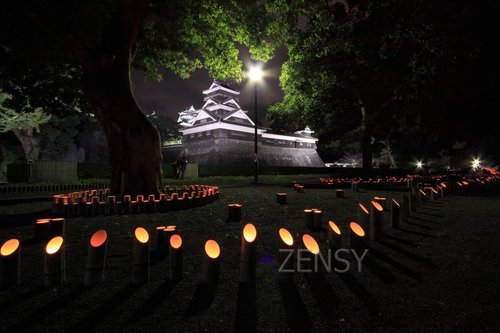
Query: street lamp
x=255, y=75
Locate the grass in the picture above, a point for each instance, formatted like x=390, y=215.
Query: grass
x=438, y=273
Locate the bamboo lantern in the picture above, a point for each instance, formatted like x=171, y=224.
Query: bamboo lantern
x=312, y=247
x=381, y=201
x=160, y=238
x=405, y=208
x=317, y=216
x=286, y=243
x=281, y=198
x=57, y=227
x=234, y=212
x=127, y=201
x=96, y=258
x=42, y=229
x=434, y=194
x=150, y=204
x=357, y=237
x=141, y=205
x=363, y=217
x=248, y=256
x=413, y=202
x=339, y=193
x=54, y=266
x=395, y=213
x=422, y=197
x=141, y=256
x=175, y=254
x=308, y=215
x=210, y=267
x=111, y=205
x=334, y=236
x=168, y=232
x=10, y=263
x=376, y=221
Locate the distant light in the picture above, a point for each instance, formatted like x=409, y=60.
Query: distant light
x=476, y=164
x=420, y=164
x=255, y=73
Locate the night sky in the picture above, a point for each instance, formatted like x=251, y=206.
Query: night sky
x=173, y=94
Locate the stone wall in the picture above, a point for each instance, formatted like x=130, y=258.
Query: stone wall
x=222, y=151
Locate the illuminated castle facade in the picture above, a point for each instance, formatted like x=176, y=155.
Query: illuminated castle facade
x=221, y=133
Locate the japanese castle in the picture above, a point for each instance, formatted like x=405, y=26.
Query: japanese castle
x=221, y=133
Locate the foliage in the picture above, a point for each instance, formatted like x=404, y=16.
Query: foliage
x=402, y=68
x=168, y=128
x=27, y=118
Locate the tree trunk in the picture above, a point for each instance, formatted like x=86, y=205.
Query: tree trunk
x=366, y=150
x=366, y=142
x=134, y=144
x=29, y=143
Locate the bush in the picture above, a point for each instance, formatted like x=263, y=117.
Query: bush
x=18, y=173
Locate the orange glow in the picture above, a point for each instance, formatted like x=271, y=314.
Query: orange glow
x=176, y=241
x=286, y=236
x=395, y=202
x=212, y=249
x=317, y=211
x=98, y=238
x=310, y=244
x=379, y=198
x=357, y=229
x=170, y=227
x=141, y=235
x=307, y=211
x=334, y=227
x=9, y=247
x=58, y=219
x=249, y=232
x=161, y=227
x=54, y=245
x=422, y=192
x=363, y=208
x=377, y=206
x=42, y=221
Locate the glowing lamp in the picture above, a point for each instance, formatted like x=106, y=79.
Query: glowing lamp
x=140, y=256
x=286, y=263
x=57, y=227
x=310, y=244
x=42, y=229
x=210, y=266
x=376, y=221
x=395, y=213
x=10, y=263
x=317, y=217
x=255, y=73
x=54, y=266
x=234, y=212
x=248, y=256
x=357, y=237
x=281, y=198
x=286, y=237
x=175, y=255
x=96, y=258
x=363, y=216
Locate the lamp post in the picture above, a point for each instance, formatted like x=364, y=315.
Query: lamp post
x=255, y=74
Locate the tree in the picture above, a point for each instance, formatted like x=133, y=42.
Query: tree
x=24, y=124
x=95, y=43
x=391, y=71
x=166, y=126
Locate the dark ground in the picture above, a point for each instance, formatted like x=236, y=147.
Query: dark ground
x=439, y=273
